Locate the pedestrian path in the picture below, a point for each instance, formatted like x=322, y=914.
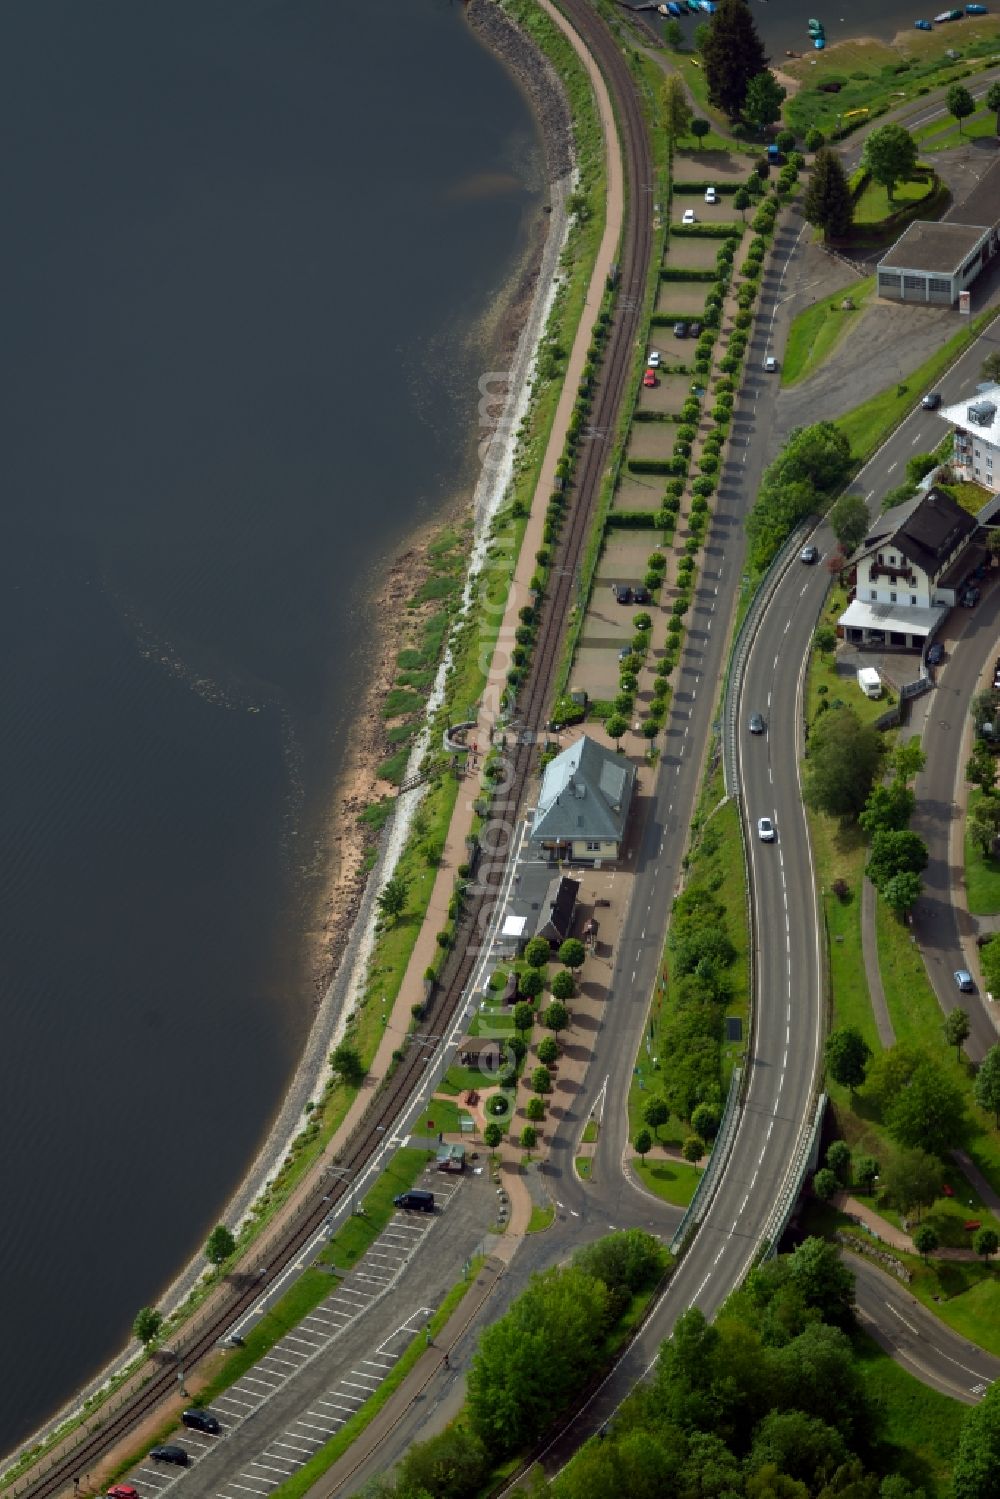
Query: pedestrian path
x=887, y=1233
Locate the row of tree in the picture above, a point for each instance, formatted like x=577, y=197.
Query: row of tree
x=813, y=464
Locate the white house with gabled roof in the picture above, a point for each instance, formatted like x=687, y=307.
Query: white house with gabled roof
x=583, y=803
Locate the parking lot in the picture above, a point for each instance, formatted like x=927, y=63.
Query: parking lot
x=667, y=396
x=685, y=298
x=316, y=1377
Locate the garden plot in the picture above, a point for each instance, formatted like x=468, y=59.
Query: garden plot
x=708, y=166
x=722, y=212
x=623, y=560
x=686, y=298
x=668, y=396
x=639, y=492
x=673, y=351
x=688, y=252
x=651, y=439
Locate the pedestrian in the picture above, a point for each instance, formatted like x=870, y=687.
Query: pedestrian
x=447, y=1361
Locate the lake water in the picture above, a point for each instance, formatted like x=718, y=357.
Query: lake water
x=244, y=245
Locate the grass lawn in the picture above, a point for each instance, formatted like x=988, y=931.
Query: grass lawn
x=461, y=1079
x=674, y=1181
x=584, y=1167
x=945, y=135
x=971, y=497
x=840, y=853
x=869, y=424
x=920, y=1426
x=541, y=1219
x=440, y=1114
x=874, y=204
x=590, y=1129
x=982, y=872
x=815, y=333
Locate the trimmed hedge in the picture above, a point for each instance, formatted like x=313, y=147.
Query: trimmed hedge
x=704, y=231
x=671, y=273
x=699, y=187
x=650, y=466
x=632, y=520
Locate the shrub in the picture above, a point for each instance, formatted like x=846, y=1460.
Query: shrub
x=535, y=1110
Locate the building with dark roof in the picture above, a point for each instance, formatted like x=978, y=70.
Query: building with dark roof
x=583, y=804
x=936, y=262
x=909, y=570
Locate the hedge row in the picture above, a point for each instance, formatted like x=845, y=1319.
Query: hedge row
x=651, y=465
x=699, y=187
x=705, y=231
x=668, y=273
x=632, y=520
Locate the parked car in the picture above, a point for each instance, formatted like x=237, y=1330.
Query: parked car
x=711, y=196
x=931, y=400
x=688, y=217
x=417, y=1200
x=694, y=330
x=622, y=593
x=963, y=978
x=624, y=652
x=201, y=1420
x=935, y=654
x=756, y=723
x=649, y=378
x=765, y=830
x=641, y=595
x=653, y=359
x=970, y=598
x=809, y=555
x=770, y=365
x=123, y=1491
x=171, y=1453
x=680, y=330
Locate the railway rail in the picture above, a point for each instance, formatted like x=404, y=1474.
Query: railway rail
x=59, y=1470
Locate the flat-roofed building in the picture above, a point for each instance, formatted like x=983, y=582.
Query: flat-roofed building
x=933, y=263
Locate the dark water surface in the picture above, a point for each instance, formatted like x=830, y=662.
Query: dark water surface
x=244, y=242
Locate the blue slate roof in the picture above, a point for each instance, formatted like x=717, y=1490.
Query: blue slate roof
x=585, y=794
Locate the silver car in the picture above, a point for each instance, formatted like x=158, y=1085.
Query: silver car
x=765, y=830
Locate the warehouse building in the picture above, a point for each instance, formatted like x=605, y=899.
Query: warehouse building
x=935, y=263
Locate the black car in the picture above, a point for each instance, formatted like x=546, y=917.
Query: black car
x=200, y=1420
x=680, y=330
x=171, y=1454
x=809, y=555
x=641, y=595
x=694, y=330
x=622, y=593
x=756, y=723
x=931, y=400
x=936, y=654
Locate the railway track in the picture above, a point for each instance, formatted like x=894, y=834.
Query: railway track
x=322, y=1196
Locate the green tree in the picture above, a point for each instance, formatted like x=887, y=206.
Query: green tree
x=693, y=1149
x=733, y=54
x=391, y=899
x=146, y=1325
x=616, y=726
x=976, y=1472
x=530, y=1362
x=838, y=1158
x=626, y=1262
x=824, y=1282
x=989, y=959
x=993, y=99
x=563, y=985
x=492, y=1135
x=548, y=1051
x=541, y=1080
x=643, y=1142
x=890, y=155
x=925, y=1240
x=529, y=1137
x=524, y=1017
x=673, y=35
x=902, y=892
x=928, y=1112
x=220, y=1245
x=655, y=1113
x=556, y=1016
x=763, y=101
x=700, y=128
x=449, y=1465
x=741, y=202
x=865, y=1173
x=535, y=1110
x=345, y=1060
x=705, y=1121
x=987, y=1084
x=912, y=1179
x=676, y=107
x=888, y=808
x=895, y=853
x=956, y=1030
x=986, y=1243
x=849, y=521
x=827, y=203
x=803, y=1447
x=572, y=953
x=531, y=983
x=825, y=639
x=960, y=103
x=537, y=952
x=844, y=756
x=825, y=1184
x=981, y=767
x=983, y=822
x=907, y=760
x=847, y=1057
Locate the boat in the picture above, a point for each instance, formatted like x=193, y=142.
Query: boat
x=819, y=42
x=708, y=6
x=948, y=15
x=673, y=7
x=976, y=10
x=694, y=7
x=816, y=25
x=923, y=25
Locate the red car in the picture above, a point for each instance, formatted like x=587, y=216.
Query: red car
x=649, y=378
x=123, y=1491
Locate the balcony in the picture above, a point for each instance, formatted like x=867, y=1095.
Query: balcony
x=894, y=574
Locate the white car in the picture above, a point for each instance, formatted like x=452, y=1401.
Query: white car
x=653, y=360
x=710, y=195
x=770, y=365
x=765, y=830
x=688, y=217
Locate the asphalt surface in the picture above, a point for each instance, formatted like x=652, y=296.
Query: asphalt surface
x=925, y=1347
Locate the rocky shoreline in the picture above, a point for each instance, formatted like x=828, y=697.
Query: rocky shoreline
x=534, y=75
